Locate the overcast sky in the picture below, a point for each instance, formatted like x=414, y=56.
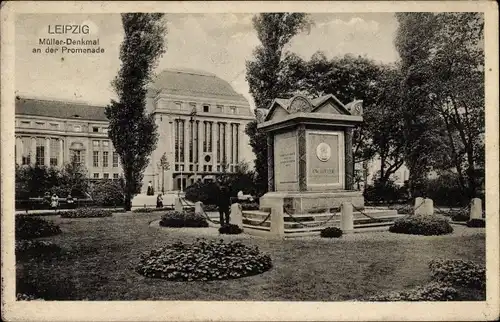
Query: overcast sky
x=216, y=43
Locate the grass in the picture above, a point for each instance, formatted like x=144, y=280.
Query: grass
x=99, y=256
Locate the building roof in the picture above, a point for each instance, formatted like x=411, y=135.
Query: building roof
x=65, y=110
x=195, y=83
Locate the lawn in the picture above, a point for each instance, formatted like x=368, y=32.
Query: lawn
x=99, y=256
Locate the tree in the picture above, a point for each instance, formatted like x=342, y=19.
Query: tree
x=274, y=31
x=132, y=130
x=443, y=66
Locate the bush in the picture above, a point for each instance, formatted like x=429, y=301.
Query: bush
x=230, y=229
x=458, y=273
x=445, y=190
x=331, y=232
x=205, y=192
x=205, y=261
x=431, y=292
x=210, y=208
x=402, y=209
x=384, y=192
x=459, y=215
x=421, y=225
x=28, y=227
x=476, y=223
x=249, y=206
x=147, y=210
x=108, y=193
x=87, y=213
x=178, y=219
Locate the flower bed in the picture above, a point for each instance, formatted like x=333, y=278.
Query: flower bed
x=459, y=273
x=331, y=232
x=178, y=219
x=476, y=223
x=87, y=213
x=28, y=227
x=421, y=225
x=431, y=292
x=230, y=229
x=204, y=260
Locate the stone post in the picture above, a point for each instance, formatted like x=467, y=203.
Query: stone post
x=198, y=207
x=178, y=205
x=428, y=207
x=270, y=162
x=349, y=160
x=236, y=216
x=419, y=206
x=476, y=211
x=277, y=220
x=346, y=218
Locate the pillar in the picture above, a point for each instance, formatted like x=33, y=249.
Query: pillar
x=228, y=145
x=33, y=151
x=236, y=216
x=277, y=220
x=419, y=207
x=60, y=160
x=349, y=160
x=213, y=135
x=476, y=211
x=428, y=207
x=19, y=150
x=47, y=152
x=346, y=218
x=270, y=162
x=178, y=205
x=187, y=137
x=302, y=157
x=201, y=136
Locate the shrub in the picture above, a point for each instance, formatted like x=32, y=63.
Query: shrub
x=108, y=193
x=205, y=261
x=421, y=225
x=230, y=229
x=331, y=232
x=402, y=209
x=384, y=192
x=249, y=206
x=87, y=213
x=205, y=192
x=431, y=292
x=458, y=273
x=148, y=210
x=28, y=227
x=460, y=215
x=210, y=208
x=183, y=219
x=476, y=223
x=445, y=190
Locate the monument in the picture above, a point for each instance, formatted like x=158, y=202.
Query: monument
x=310, y=153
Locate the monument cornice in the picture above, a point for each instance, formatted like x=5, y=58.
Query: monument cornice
x=311, y=119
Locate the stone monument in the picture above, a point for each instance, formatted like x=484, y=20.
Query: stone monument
x=310, y=153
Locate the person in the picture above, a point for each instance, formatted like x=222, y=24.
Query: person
x=159, y=201
x=223, y=203
x=150, y=189
x=70, y=201
x=54, y=201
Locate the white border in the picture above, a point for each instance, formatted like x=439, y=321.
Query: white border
x=341, y=152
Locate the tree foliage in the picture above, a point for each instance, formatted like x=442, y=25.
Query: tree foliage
x=442, y=62
x=133, y=131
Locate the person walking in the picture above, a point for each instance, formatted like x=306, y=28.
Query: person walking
x=223, y=203
x=159, y=201
x=54, y=201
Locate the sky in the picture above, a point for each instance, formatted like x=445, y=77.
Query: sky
x=216, y=43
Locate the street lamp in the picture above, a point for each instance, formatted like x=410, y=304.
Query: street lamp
x=163, y=165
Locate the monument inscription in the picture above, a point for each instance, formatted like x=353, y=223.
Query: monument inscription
x=285, y=154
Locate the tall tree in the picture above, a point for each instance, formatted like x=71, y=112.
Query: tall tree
x=443, y=64
x=131, y=129
x=274, y=30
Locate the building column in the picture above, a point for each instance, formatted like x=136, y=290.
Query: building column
x=214, y=142
x=270, y=162
x=349, y=160
x=33, y=151
x=186, y=146
x=60, y=161
x=19, y=150
x=201, y=136
x=47, y=152
x=228, y=145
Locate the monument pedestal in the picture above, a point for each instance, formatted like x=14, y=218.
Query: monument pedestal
x=302, y=202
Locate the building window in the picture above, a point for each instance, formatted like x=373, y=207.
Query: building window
x=105, y=144
x=95, y=144
x=26, y=157
x=178, y=106
x=105, y=175
x=54, y=151
x=95, y=159
x=77, y=128
x=25, y=123
x=237, y=143
x=115, y=160
x=220, y=108
x=206, y=108
x=191, y=141
x=218, y=141
x=54, y=126
x=105, y=156
x=40, y=151
x=210, y=136
x=78, y=156
x=224, y=152
x=196, y=146
x=95, y=129
x=179, y=140
x=115, y=175
x=232, y=109
x=96, y=175
x=40, y=125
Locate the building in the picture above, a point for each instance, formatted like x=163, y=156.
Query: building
x=201, y=126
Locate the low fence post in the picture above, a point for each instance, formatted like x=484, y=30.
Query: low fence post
x=418, y=209
x=236, y=216
x=198, y=207
x=476, y=209
x=346, y=218
x=428, y=207
x=277, y=220
x=178, y=205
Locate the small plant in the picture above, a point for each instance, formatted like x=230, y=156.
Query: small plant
x=230, y=229
x=331, y=232
x=458, y=273
x=421, y=225
x=204, y=261
x=178, y=219
x=28, y=227
x=476, y=223
x=87, y=213
x=431, y=292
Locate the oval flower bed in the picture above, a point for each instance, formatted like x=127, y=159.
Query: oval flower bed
x=87, y=213
x=204, y=260
x=179, y=219
x=28, y=227
x=421, y=225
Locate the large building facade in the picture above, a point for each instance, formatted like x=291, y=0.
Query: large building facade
x=201, y=125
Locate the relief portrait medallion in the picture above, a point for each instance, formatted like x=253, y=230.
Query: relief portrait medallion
x=323, y=152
